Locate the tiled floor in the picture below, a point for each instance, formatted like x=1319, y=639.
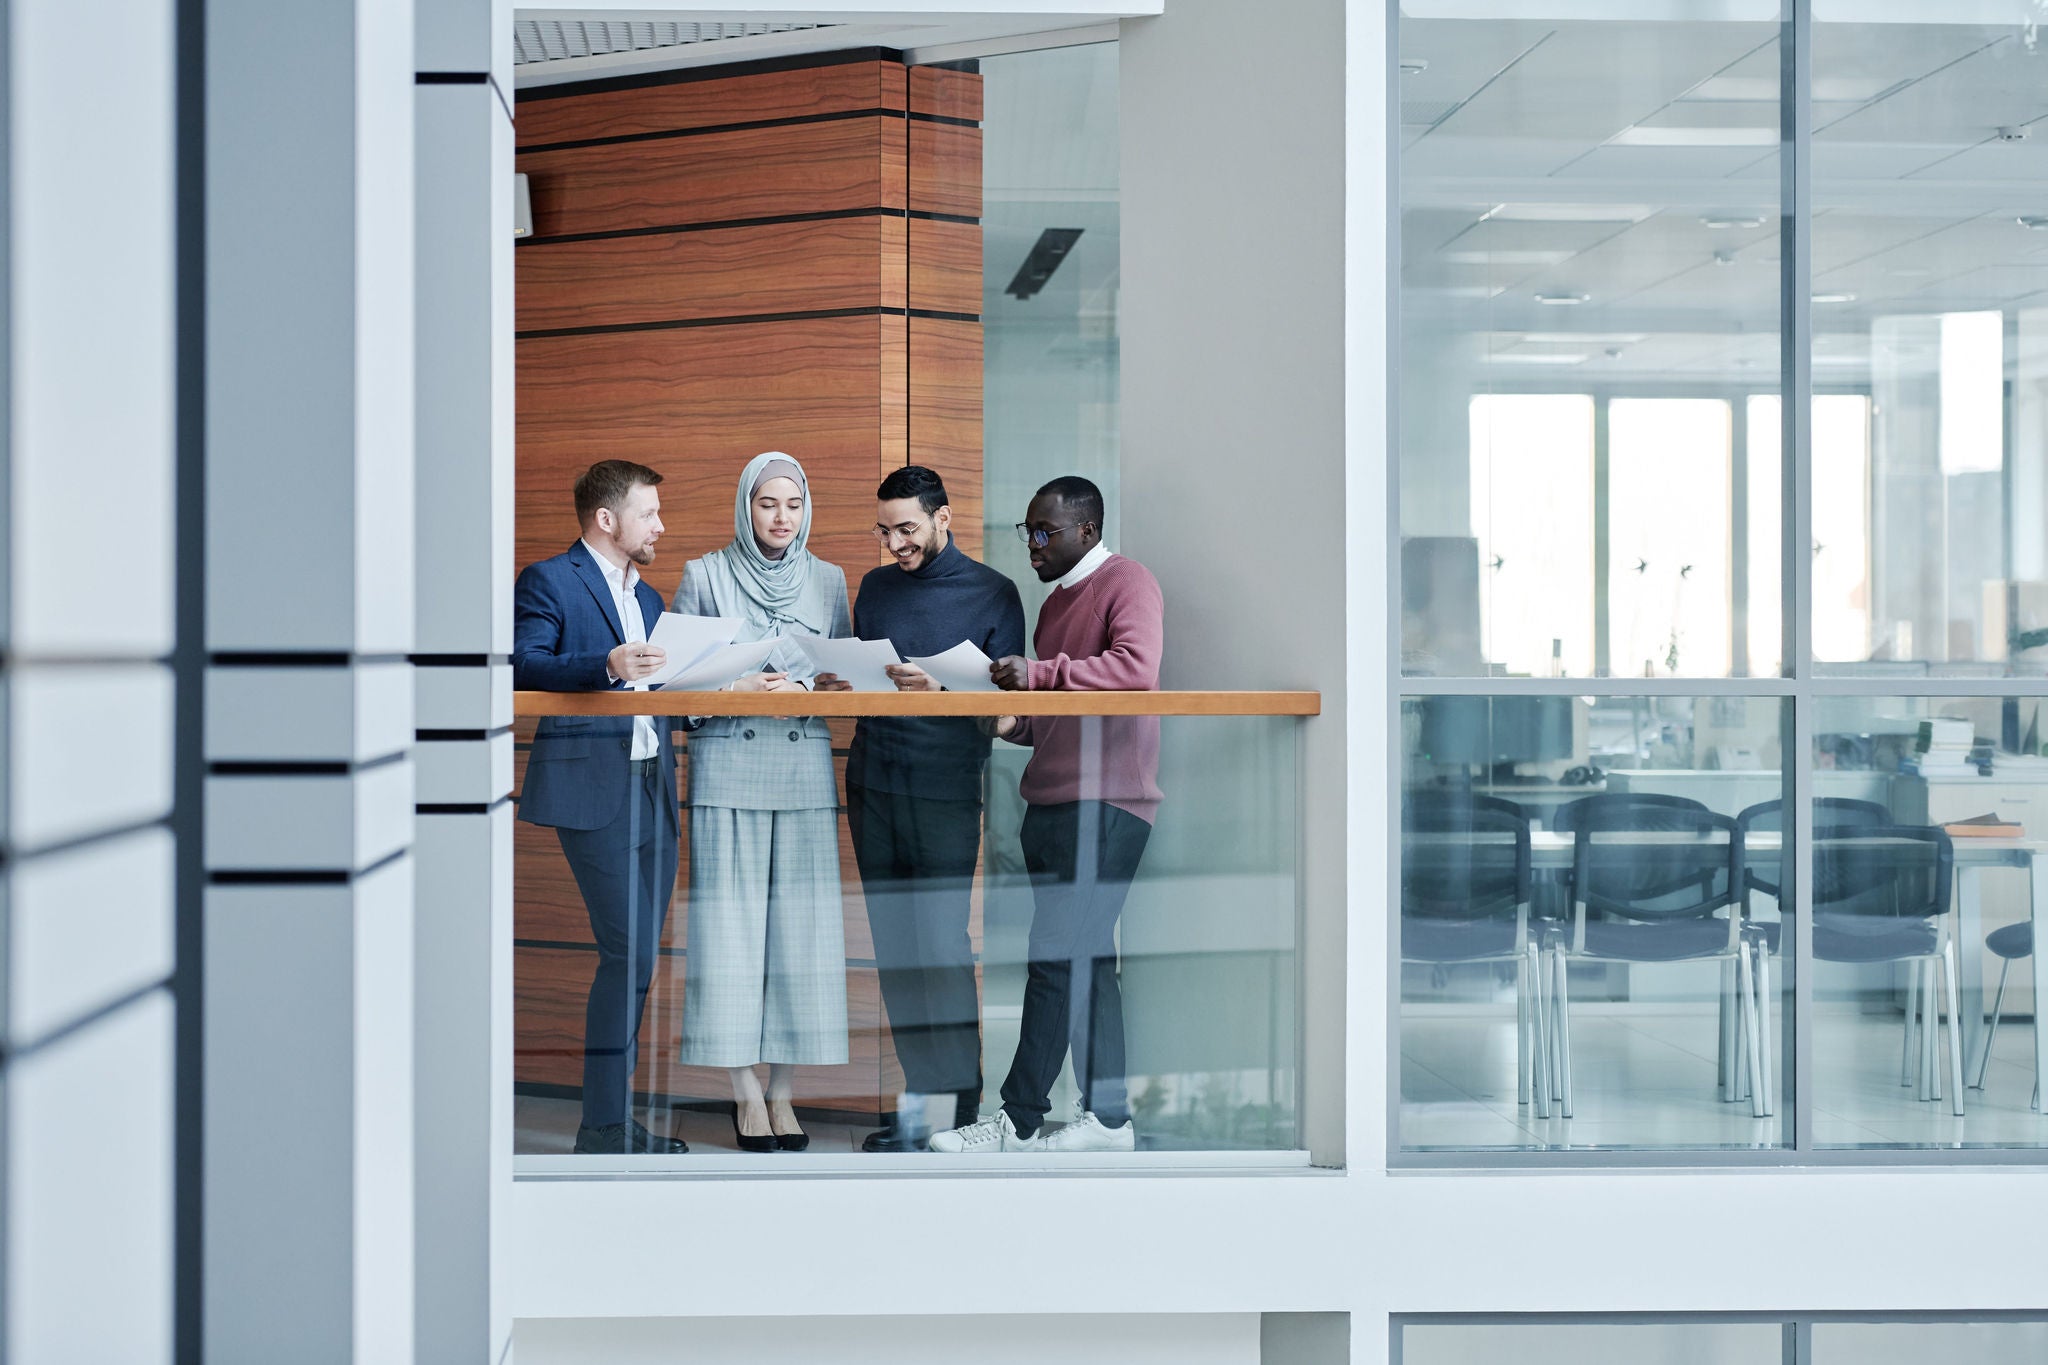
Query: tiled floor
x=1646, y=1078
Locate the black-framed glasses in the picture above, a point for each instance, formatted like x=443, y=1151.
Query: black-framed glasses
x=1037, y=539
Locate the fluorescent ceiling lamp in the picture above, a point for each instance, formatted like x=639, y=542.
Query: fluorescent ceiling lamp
x=1764, y=90
x=1695, y=137
x=1971, y=431
x=1568, y=213
x=1585, y=338
x=1535, y=358
x=1562, y=300
x=1833, y=298
x=1732, y=220
x=1506, y=257
x=2037, y=221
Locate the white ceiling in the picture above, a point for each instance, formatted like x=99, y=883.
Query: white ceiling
x=1630, y=162
x=536, y=41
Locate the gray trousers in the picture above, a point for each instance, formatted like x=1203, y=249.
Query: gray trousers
x=766, y=972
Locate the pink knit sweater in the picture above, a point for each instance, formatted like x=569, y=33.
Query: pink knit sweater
x=1102, y=635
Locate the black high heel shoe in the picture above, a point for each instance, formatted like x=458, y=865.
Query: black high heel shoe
x=750, y=1142
x=788, y=1142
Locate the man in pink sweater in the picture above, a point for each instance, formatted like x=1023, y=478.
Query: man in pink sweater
x=1091, y=791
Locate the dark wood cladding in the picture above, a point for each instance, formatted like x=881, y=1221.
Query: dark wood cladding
x=722, y=221
x=718, y=177
x=697, y=403
x=713, y=103
x=945, y=169
x=945, y=266
x=945, y=93
x=945, y=416
x=719, y=273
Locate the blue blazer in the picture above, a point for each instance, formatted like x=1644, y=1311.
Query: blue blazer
x=564, y=624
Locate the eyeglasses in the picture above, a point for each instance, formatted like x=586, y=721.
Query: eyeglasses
x=884, y=534
x=1037, y=539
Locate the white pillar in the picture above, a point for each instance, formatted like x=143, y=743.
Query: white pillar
x=463, y=858
x=87, y=275
x=308, y=1180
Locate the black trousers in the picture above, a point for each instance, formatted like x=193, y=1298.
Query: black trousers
x=1081, y=856
x=626, y=872
x=916, y=861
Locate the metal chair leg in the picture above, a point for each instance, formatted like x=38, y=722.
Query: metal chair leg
x=1539, y=1031
x=1906, y=1073
x=1747, y=1005
x=1955, y=1027
x=1724, y=1052
x=1564, y=1033
x=1991, y=1033
x=1765, y=1075
x=1930, y=1030
x=1524, y=1062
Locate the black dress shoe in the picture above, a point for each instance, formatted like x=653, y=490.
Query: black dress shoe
x=619, y=1139
x=751, y=1142
x=889, y=1140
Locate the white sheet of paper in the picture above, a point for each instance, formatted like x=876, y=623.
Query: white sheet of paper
x=963, y=668
x=721, y=666
x=860, y=662
x=686, y=639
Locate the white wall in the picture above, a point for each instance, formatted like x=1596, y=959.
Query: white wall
x=86, y=577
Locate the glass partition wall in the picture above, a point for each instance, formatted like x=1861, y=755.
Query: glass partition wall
x=1723, y=503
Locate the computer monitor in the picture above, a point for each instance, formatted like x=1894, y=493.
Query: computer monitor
x=1497, y=732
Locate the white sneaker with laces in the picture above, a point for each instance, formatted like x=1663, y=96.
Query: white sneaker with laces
x=1089, y=1134
x=993, y=1134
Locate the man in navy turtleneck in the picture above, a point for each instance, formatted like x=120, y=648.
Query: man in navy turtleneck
x=913, y=798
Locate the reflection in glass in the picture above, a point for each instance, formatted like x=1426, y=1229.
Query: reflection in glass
x=1606, y=988
x=1910, y=1343
x=1589, y=275
x=1925, y=833
x=1590, y=1343
x=1928, y=260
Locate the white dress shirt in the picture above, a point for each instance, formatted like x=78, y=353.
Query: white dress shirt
x=623, y=583
x=1090, y=562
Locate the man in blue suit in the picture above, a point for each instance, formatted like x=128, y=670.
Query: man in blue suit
x=607, y=784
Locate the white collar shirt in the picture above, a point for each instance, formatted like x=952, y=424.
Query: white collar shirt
x=1090, y=562
x=625, y=597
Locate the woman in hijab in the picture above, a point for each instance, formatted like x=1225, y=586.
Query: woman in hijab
x=766, y=975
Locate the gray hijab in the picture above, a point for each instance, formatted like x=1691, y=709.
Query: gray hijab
x=780, y=587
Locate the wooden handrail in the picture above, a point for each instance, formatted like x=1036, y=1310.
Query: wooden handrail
x=917, y=703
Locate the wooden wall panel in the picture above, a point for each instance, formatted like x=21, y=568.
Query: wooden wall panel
x=718, y=177
x=945, y=266
x=945, y=169
x=945, y=416
x=837, y=263
x=697, y=403
x=946, y=93
x=709, y=103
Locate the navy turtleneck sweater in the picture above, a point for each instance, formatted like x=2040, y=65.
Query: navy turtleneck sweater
x=923, y=612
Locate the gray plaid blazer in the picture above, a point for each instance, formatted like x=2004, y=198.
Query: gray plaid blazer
x=762, y=762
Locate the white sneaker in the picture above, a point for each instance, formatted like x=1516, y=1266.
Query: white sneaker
x=1088, y=1134
x=993, y=1134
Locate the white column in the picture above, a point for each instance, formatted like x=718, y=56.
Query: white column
x=87, y=381
x=308, y=1180
x=463, y=858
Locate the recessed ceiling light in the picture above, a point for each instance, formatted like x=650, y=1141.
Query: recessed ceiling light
x=1695, y=137
x=1563, y=300
x=1732, y=220
x=1583, y=338
x=1414, y=66
x=1834, y=298
x=2037, y=221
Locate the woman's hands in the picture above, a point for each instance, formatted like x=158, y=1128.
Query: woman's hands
x=766, y=682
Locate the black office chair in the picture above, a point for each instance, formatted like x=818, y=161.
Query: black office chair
x=1465, y=879
x=1881, y=893
x=1654, y=879
x=1829, y=813
x=2011, y=943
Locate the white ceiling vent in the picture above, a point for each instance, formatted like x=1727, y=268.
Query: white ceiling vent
x=555, y=40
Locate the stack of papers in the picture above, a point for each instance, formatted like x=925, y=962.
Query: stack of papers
x=963, y=668
x=862, y=663
x=701, y=654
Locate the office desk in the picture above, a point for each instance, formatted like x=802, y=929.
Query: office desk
x=1550, y=851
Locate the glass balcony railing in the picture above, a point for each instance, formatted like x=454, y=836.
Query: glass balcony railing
x=860, y=925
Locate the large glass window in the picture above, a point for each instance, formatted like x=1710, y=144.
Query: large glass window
x=1686, y=535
